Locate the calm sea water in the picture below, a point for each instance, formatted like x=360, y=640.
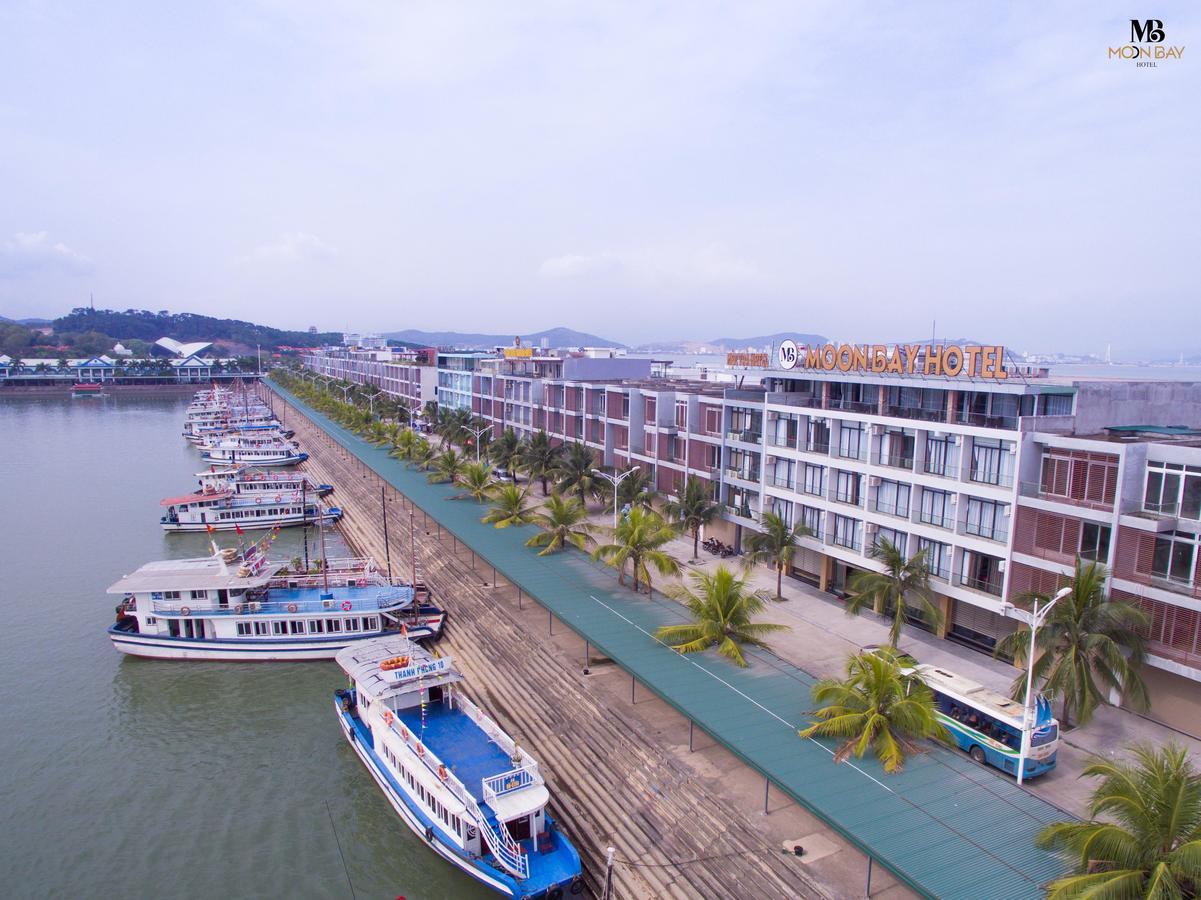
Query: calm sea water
x=124, y=777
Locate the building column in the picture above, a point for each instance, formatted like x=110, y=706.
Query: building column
x=826, y=572
x=825, y=395
x=943, y=602
x=952, y=405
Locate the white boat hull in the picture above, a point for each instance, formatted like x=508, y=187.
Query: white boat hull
x=156, y=646
x=258, y=524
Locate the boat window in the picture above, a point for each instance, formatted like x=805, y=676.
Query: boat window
x=297, y=627
x=243, y=628
x=260, y=628
x=170, y=595
x=277, y=628
x=333, y=625
x=316, y=626
x=200, y=595
x=372, y=623
x=151, y=620
x=352, y=624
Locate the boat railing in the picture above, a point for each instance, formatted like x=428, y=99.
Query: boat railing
x=508, y=782
x=522, y=761
x=385, y=598
x=505, y=849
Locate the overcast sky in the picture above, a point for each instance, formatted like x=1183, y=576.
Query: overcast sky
x=638, y=170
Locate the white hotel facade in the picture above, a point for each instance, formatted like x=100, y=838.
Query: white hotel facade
x=1004, y=481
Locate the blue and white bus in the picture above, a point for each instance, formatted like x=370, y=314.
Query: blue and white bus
x=988, y=725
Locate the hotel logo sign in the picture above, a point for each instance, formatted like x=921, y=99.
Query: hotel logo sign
x=949, y=360
x=1146, y=45
x=519, y=352
x=748, y=360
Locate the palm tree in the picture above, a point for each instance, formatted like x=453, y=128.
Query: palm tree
x=775, y=544
x=1150, y=844
x=505, y=451
x=903, y=583
x=637, y=489
x=565, y=521
x=448, y=466
x=510, y=508
x=476, y=481
x=694, y=509
x=541, y=457
x=1089, y=644
x=722, y=609
x=423, y=453
x=575, y=471
x=876, y=706
x=404, y=444
x=637, y=540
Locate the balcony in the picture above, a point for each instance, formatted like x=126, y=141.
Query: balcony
x=893, y=460
x=985, y=585
x=851, y=498
x=781, y=482
x=822, y=448
x=936, y=519
x=982, y=420
x=991, y=533
x=751, y=475
x=849, y=541
x=941, y=469
x=999, y=479
x=915, y=412
x=803, y=400
x=859, y=453
x=900, y=510
x=1043, y=492
x=746, y=436
x=792, y=443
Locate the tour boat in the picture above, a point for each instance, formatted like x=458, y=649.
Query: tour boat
x=454, y=777
x=87, y=389
x=246, y=481
x=226, y=510
x=237, y=605
x=206, y=431
x=245, y=436
x=234, y=452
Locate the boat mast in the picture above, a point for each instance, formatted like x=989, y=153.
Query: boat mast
x=324, y=558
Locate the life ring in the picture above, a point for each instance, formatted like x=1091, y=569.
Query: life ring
x=239, y=608
x=278, y=498
x=185, y=610
x=291, y=607
x=420, y=750
x=347, y=606
x=388, y=717
x=442, y=773
x=429, y=833
x=404, y=732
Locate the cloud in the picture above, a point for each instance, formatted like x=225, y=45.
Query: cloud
x=31, y=252
x=291, y=247
x=693, y=267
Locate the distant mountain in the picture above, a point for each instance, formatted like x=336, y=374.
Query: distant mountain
x=144, y=325
x=768, y=340
x=555, y=337
x=28, y=323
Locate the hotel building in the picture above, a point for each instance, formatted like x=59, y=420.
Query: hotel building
x=407, y=374
x=1004, y=475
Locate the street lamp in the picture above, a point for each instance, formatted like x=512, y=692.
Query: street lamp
x=616, y=481
x=478, y=432
x=1034, y=619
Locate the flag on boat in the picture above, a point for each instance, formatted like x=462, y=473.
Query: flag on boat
x=210, y=528
x=237, y=528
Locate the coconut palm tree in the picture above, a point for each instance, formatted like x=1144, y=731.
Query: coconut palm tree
x=903, y=585
x=505, y=451
x=722, y=609
x=1088, y=645
x=776, y=544
x=565, y=521
x=476, y=481
x=575, y=472
x=637, y=540
x=423, y=453
x=636, y=490
x=1149, y=844
x=541, y=458
x=404, y=444
x=694, y=509
x=876, y=707
x=510, y=509
x=448, y=466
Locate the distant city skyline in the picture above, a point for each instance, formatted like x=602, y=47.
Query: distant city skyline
x=641, y=173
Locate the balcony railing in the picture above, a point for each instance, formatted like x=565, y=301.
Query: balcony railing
x=822, y=447
x=859, y=452
x=859, y=406
x=893, y=460
x=936, y=519
x=788, y=443
x=849, y=541
x=746, y=436
x=941, y=469
x=851, y=497
x=1000, y=479
x=986, y=585
x=742, y=475
x=781, y=481
x=1040, y=489
x=900, y=510
x=811, y=401
x=992, y=533
x=915, y=412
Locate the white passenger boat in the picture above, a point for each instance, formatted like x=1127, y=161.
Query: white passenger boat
x=455, y=778
x=234, y=452
x=227, y=511
x=240, y=606
x=207, y=432
x=251, y=482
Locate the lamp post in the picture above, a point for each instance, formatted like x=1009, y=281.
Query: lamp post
x=616, y=481
x=1034, y=619
x=478, y=432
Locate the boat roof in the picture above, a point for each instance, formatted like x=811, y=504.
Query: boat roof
x=361, y=661
x=193, y=498
x=205, y=573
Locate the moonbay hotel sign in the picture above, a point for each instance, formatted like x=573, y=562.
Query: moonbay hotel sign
x=949, y=360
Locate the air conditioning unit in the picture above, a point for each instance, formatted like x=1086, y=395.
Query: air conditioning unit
x=328, y=604
x=255, y=606
x=877, y=430
x=957, y=439
x=873, y=480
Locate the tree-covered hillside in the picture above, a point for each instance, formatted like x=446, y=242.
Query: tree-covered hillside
x=150, y=326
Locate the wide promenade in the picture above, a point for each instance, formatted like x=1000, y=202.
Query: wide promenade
x=944, y=826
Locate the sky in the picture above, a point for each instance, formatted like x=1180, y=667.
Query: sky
x=643, y=171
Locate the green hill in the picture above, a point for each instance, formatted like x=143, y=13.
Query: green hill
x=140, y=324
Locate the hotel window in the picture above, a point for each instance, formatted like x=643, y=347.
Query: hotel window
x=279, y=628
x=850, y=441
x=243, y=629
x=296, y=627
x=1173, y=489
x=712, y=420
x=817, y=435
x=847, y=487
x=1175, y=557
x=1094, y=542
x=936, y=508
x=898, y=539
x=940, y=455
x=938, y=557
x=1055, y=405
x=846, y=532
x=815, y=480
x=892, y=497
x=896, y=449
x=987, y=456
x=681, y=414
x=811, y=518
x=987, y=519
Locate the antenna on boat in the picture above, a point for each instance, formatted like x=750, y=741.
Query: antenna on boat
x=324, y=558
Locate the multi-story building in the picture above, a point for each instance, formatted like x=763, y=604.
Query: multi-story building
x=407, y=374
x=1003, y=475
